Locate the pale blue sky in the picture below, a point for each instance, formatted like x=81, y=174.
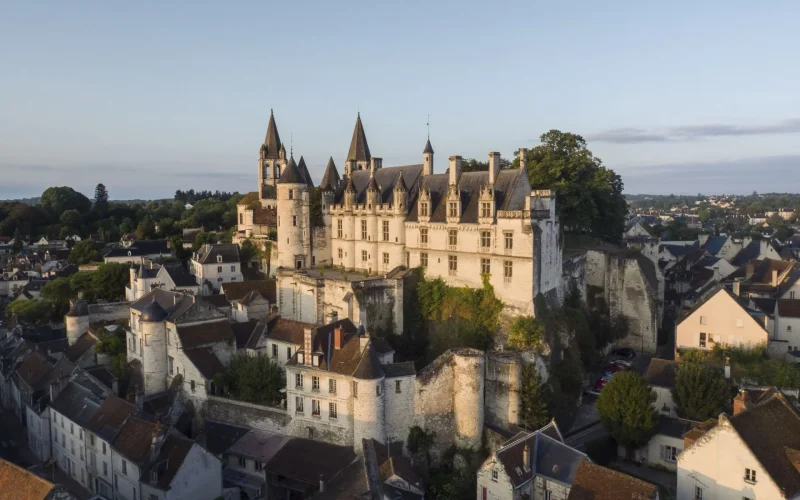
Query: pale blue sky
x=148, y=97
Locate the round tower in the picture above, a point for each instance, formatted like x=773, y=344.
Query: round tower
x=291, y=221
x=468, y=410
x=368, y=403
x=154, y=347
x=76, y=320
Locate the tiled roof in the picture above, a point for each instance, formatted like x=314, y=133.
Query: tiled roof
x=135, y=438
x=218, y=301
x=202, y=334
x=17, y=483
x=206, y=362
x=174, y=303
x=221, y=436
x=265, y=216
x=714, y=244
x=84, y=343
x=661, y=373
x=33, y=369
x=170, y=458
x=789, y=308
x=237, y=290
x=108, y=419
x=287, y=330
x=595, y=482
x=208, y=253
x=306, y=460
x=79, y=401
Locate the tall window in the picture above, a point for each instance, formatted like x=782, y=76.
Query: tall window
x=340, y=253
x=363, y=230
x=170, y=361
x=703, y=320
x=355, y=389
x=670, y=453
x=486, y=267
x=423, y=236
x=452, y=237
x=702, y=340
x=509, y=240
x=298, y=380
x=486, y=239
x=386, y=230
x=507, y=269
x=486, y=209
x=291, y=194
x=294, y=220
x=339, y=228
x=332, y=385
x=363, y=255
x=452, y=264
x=274, y=350
x=333, y=411
x=698, y=493
x=453, y=209
x=298, y=404
x=315, y=407
x=423, y=208
x=423, y=259
x=315, y=383
x=385, y=259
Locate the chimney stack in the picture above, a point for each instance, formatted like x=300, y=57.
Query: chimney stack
x=523, y=159
x=736, y=287
x=337, y=338
x=740, y=402
x=727, y=368
x=307, y=346
x=494, y=166
x=455, y=169
x=774, y=277
x=526, y=457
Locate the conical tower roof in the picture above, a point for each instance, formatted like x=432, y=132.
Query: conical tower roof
x=331, y=178
x=272, y=141
x=401, y=183
x=303, y=169
x=350, y=186
x=372, y=183
x=428, y=147
x=369, y=368
x=153, y=312
x=290, y=174
x=359, y=150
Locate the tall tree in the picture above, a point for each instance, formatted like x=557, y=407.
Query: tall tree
x=626, y=409
x=57, y=200
x=17, y=246
x=146, y=229
x=100, y=201
x=700, y=391
x=84, y=252
x=589, y=195
x=534, y=403
x=109, y=280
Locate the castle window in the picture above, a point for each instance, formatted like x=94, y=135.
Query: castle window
x=386, y=230
x=363, y=255
x=453, y=209
x=333, y=411
x=294, y=220
x=298, y=404
x=274, y=350
x=423, y=259
x=355, y=389
x=507, y=270
x=332, y=385
x=315, y=408
x=315, y=384
x=378, y=389
x=291, y=194
x=170, y=366
x=363, y=230
x=423, y=208
x=241, y=219
x=452, y=264
x=423, y=237
x=509, y=240
x=192, y=385
x=386, y=260
x=486, y=239
x=486, y=267
x=339, y=228
x=452, y=237
x=397, y=386
x=486, y=209
x=340, y=253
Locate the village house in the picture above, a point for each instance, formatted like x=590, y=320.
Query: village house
x=179, y=469
x=787, y=326
x=595, y=482
x=100, y=431
x=170, y=277
x=139, y=250
x=215, y=264
x=249, y=299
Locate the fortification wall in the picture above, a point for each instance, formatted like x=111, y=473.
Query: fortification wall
x=112, y=311
x=261, y=417
x=503, y=385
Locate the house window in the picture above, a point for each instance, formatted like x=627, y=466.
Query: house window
x=104, y=448
x=486, y=239
x=702, y=340
x=509, y=240
x=750, y=475
x=363, y=230
x=298, y=404
x=105, y=468
x=452, y=264
x=333, y=411
x=508, y=269
x=486, y=209
x=274, y=350
x=170, y=361
x=791, y=295
x=386, y=230
x=116, y=482
x=294, y=220
x=453, y=209
x=494, y=475
x=378, y=389
x=124, y=467
x=363, y=255
x=219, y=269
x=258, y=466
x=452, y=237
x=698, y=493
x=315, y=408
x=423, y=236
x=80, y=434
x=341, y=254
x=385, y=259
x=339, y=228
x=315, y=383
x=288, y=353
x=670, y=453
x=332, y=385
x=242, y=462
x=298, y=380
x=233, y=269
x=703, y=320
x=423, y=259
x=397, y=387
x=355, y=389
x=71, y=429
x=291, y=194
x=548, y=495
x=423, y=208
x=486, y=267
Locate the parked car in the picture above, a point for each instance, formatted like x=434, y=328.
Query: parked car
x=616, y=366
x=625, y=352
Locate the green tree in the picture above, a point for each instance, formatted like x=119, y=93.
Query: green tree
x=17, y=246
x=704, y=215
x=202, y=238
x=146, y=229
x=626, y=409
x=525, y=333
x=176, y=243
x=249, y=251
x=109, y=280
x=31, y=311
x=84, y=252
x=127, y=226
x=589, y=195
x=700, y=391
x=534, y=414
x=100, y=207
x=71, y=220
x=166, y=226
x=57, y=292
x=82, y=282
x=57, y=200
x=257, y=379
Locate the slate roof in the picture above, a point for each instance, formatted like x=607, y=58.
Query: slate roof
x=595, y=482
x=218, y=301
x=208, y=253
x=331, y=178
x=359, y=149
x=714, y=244
x=237, y=290
x=386, y=178
x=259, y=445
x=202, y=334
x=291, y=174
x=175, y=303
x=170, y=458
x=78, y=401
x=272, y=141
x=180, y=276
x=369, y=366
x=306, y=460
x=765, y=305
x=661, y=373
x=17, y=483
x=206, y=362
x=153, y=312
x=84, y=343
x=556, y=460
x=243, y=331
x=750, y=252
x=428, y=147
x=141, y=248
x=771, y=430
x=303, y=170
x=404, y=369
x=221, y=436
x=789, y=308
x=108, y=419
x=135, y=438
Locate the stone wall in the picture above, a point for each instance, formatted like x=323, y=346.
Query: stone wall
x=503, y=384
x=266, y=418
x=112, y=311
x=574, y=273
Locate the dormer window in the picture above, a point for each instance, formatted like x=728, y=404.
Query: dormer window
x=453, y=209
x=219, y=258
x=423, y=209
x=494, y=476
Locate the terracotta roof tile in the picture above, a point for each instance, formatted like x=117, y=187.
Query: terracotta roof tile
x=135, y=438
x=594, y=482
x=17, y=483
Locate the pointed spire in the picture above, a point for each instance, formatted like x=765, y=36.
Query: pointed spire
x=359, y=150
x=272, y=142
x=331, y=177
x=290, y=174
x=401, y=183
x=428, y=147
x=373, y=185
x=350, y=186
x=303, y=169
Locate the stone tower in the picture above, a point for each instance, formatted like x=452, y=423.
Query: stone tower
x=369, y=406
x=294, y=229
x=154, y=347
x=76, y=320
x=358, y=157
x=427, y=159
x=271, y=160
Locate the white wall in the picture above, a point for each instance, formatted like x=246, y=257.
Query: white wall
x=200, y=477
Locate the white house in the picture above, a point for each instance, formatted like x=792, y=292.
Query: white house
x=787, y=324
x=215, y=264
x=100, y=431
x=132, y=450
x=180, y=469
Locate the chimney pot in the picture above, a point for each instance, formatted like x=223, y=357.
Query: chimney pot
x=774, y=277
x=523, y=159
x=337, y=338
x=307, y=346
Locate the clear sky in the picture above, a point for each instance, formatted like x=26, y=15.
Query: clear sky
x=148, y=97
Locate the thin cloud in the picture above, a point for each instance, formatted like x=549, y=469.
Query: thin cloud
x=692, y=132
